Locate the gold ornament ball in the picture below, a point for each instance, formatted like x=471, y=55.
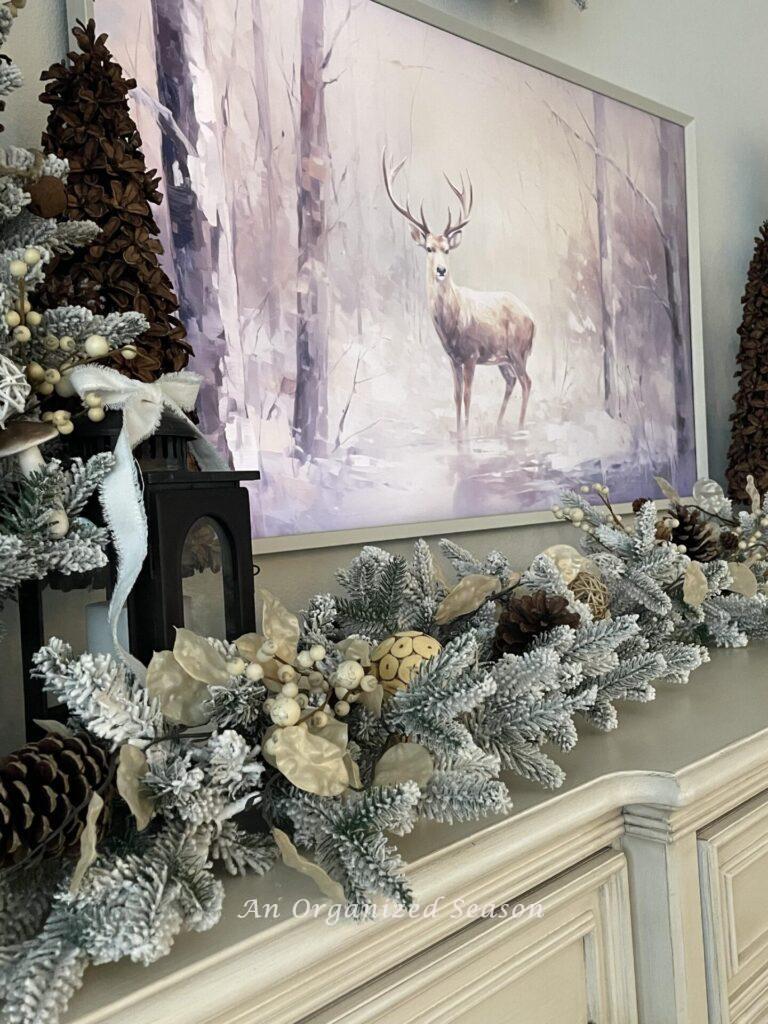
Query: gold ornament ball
x=129, y=352
x=32, y=257
x=67, y=344
x=397, y=658
x=17, y=268
x=33, y=318
x=96, y=346
x=92, y=399
x=96, y=414
x=44, y=388
x=52, y=375
x=22, y=334
x=12, y=318
x=66, y=427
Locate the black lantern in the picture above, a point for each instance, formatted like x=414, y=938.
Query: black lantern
x=199, y=533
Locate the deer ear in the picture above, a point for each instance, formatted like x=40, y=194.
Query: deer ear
x=417, y=236
x=455, y=240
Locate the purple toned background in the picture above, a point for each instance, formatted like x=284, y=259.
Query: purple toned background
x=306, y=299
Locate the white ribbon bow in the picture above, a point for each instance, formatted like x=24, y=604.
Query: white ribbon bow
x=121, y=495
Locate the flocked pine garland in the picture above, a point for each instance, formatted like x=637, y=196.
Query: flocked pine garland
x=404, y=698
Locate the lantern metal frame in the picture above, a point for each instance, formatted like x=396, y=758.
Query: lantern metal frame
x=176, y=497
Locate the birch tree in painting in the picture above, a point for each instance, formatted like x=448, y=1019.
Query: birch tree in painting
x=305, y=294
x=310, y=415
x=607, y=286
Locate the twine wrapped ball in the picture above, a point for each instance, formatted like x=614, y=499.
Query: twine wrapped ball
x=588, y=588
x=48, y=197
x=395, y=659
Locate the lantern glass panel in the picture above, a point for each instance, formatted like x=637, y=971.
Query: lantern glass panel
x=206, y=562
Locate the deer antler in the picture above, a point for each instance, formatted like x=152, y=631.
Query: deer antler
x=465, y=200
x=390, y=173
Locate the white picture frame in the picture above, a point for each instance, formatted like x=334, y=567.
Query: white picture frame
x=422, y=12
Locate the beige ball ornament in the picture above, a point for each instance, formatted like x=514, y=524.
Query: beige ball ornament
x=397, y=658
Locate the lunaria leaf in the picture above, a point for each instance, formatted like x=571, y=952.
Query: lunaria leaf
x=199, y=659
x=404, y=762
x=742, y=579
x=293, y=859
x=182, y=698
x=131, y=769
x=280, y=625
x=89, y=837
x=466, y=597
x=695, y=585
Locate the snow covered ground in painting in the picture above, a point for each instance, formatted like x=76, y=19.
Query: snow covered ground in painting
x=267, y=120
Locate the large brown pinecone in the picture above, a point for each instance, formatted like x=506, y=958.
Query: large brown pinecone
x=526, y=617
x=696, y=534
x=43, y=786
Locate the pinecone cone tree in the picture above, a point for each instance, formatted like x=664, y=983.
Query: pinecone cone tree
x=748, y=453
x=698, y=536
x=90, y=125
x=524, y=618
x=44, y=786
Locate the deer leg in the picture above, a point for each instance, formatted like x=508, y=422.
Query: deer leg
x=469, y=376
x=457, y=395
x=510, y=379
x=525, y=384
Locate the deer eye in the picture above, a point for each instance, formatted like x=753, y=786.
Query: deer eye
x=430, y=248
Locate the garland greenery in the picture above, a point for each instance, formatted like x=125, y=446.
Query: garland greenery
x=405, y=697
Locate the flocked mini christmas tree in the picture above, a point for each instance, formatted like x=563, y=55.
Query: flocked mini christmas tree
x=748, y=453
x=41, y=527
x=90, y=125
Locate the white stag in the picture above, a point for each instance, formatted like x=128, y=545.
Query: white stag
x=485, y=328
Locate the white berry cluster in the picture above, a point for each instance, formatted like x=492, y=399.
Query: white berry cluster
x=51, y=375
x=576, y=516
x=304, y=686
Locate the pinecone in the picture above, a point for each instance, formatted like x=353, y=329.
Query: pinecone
x=526, y=617
x=638, y=503
x=44, y=785
x=729, y=541
x=696, y=534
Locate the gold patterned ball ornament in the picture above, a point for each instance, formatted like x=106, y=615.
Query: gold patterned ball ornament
x=395, y=659
x=588, y=588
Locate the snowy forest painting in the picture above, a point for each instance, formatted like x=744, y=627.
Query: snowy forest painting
x=423, y=280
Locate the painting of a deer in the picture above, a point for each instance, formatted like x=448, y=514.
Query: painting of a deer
x=475, y=328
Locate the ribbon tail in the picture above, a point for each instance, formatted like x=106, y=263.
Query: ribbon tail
x=123, y=506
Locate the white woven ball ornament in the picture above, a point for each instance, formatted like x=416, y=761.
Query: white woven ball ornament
x=14, y=389
x=397, y=658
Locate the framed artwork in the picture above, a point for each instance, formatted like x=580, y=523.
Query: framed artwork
x=430, y=278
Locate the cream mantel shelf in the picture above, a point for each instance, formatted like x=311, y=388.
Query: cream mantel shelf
x=626, y=856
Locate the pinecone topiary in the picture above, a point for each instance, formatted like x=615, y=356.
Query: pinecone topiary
x=90, y=125
x=748, y=452
x=695, y=534
x=524, y=618
x=44, y=786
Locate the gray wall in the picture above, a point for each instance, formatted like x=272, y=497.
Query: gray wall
x=704, y=57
